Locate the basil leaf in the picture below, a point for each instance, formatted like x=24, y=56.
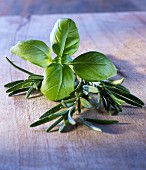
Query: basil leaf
x=93, y=66
x=58, y=82
x=35, y=51
x=64, y=37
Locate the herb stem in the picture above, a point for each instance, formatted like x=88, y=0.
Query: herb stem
x=21, y=69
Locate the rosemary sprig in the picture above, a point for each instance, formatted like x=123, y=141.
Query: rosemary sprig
x=27, y=86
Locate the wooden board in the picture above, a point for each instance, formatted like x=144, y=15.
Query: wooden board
x=30, y=7
x=122, y=37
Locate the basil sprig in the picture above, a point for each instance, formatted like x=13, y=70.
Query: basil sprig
x=70, y=81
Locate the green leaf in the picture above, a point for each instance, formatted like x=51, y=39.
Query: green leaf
x=58, y=82
x=62, y=128
x=52, y=110
x=18, y=91
x=18, y=86
x=54, y=124
x=30, y=90
x=118, y=87
x=64, y=37
x=79, y=105
x=90, y=89
x=127, y=97
x=93, y=66
x=36, y=77
x=99, y=121
x=85, y=103
x=70, y=113
x=35, y=51
x=49, y=118
x=13, y=83
x=90, y=125
x=116, y=82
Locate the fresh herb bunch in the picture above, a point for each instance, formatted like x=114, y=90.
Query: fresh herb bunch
x=69, y=81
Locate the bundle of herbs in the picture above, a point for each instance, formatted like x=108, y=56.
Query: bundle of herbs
x=71, y=82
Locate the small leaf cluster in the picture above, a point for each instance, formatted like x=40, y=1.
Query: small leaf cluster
x=28, y=86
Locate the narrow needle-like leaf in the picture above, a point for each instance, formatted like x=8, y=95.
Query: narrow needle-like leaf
x=98, y=121
x=18, y=86
x=90, y=125
x=49, y=118
x=52, y=110
x=36, y=77
x=30, y=90
x=18, y=91
x=129, y=98
x=11, y=84
x=54, y=124
x=70, y=119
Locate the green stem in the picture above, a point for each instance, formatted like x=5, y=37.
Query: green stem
x=21, y=69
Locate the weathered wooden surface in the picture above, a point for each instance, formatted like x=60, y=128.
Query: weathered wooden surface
x=30, y=7
x=122, y=36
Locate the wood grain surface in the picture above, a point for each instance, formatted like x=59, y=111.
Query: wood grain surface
x=122, y=37
x=30, y=7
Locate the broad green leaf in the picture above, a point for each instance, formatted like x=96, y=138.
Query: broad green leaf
x=93, y=66
x=58, y=82
x=99, y=121
x=64, y=37
x=35, y=51
x=63, y=60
